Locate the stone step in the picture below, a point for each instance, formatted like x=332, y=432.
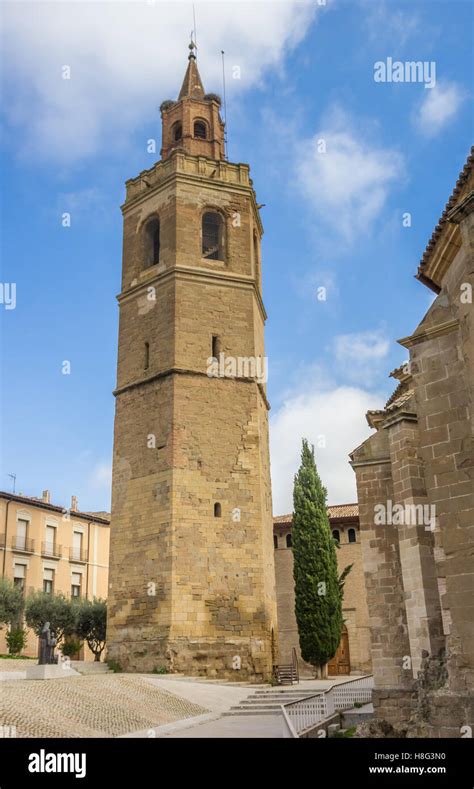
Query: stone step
x=252, y=711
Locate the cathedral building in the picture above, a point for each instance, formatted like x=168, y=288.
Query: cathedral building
x=415, y=483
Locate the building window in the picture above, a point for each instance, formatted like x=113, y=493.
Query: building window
x=200, y=130
x=177, y=131
x=275, y=541
x=76, y=579
x=50, y=541
x=288, y=541
x=48, y=581
x=215, y=346
x=352, y=535
x=255, y=253
x=21, y=535
x=217, y=510
x=212, y=236
x=151, y=255
x=19, y=576
x=146, y=361
x=77, y=546
x=336, y=535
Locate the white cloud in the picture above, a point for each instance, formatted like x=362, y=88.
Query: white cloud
x=347, y=184
x=439, y=106
x=385, y=23
x=125, y=58
x=338, y=415
x=360, y=356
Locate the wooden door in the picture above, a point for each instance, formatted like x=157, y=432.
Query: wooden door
x=341, y=662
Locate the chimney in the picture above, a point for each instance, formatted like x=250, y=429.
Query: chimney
x=45, y=497
x=73, y=503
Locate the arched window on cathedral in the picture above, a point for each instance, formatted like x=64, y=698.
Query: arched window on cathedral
x=200, y=131
x=336, y=535
x=152, y=242
x=217, y=510
x=352, y=535
x=176, y=131
x=275, y=541
x=289, y=541
x=212, y=236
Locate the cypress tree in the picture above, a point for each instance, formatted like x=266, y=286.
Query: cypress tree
x=318, y=593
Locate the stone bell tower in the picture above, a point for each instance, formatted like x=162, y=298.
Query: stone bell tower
x=191, y=564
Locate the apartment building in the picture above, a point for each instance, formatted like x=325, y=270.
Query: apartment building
x=51, y=548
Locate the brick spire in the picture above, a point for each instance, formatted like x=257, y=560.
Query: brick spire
x=192, y=85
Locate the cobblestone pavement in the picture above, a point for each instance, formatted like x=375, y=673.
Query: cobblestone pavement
x=94, y=706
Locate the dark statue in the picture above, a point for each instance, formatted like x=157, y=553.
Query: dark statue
x=47, y=643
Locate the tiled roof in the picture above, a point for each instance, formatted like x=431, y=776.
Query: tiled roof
x=97, y=517
x=334, y=512
x=463, y=176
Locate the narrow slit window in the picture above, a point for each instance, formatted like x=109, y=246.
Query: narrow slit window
x=275, y=541
x=146, y=362
x=215, y=346
x=217, y=510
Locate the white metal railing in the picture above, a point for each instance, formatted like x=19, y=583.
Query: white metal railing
x=306, y=713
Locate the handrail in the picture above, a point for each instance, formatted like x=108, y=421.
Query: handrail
x=303, y=714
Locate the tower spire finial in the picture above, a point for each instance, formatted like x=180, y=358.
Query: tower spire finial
x=192, y=48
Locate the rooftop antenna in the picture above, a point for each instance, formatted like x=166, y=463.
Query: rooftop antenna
x=13, y=477
x=226, y=154
x=195, y=29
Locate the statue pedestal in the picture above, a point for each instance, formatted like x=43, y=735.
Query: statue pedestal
x=50, y=671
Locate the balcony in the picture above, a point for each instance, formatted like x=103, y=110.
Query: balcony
x=51, y=550
x=23, y=544
x=78, y=555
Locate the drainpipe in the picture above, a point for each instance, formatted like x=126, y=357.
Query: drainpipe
x=5, y=545
x=88, y=557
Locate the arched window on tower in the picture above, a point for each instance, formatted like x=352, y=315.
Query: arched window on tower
x=352, y=535
x=212, y=236
x=289, y=541
x=176, y=131
x=336, y=535
x=200, y=131
x=255, y=254
x=152, y=243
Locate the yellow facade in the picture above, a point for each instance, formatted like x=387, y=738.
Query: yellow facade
x=51, y=548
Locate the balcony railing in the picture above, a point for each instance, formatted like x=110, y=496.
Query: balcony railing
x=51, y=550
x=77, y=555
x=23, y=544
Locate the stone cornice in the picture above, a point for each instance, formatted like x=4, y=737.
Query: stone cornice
x=430, y=333
x=462, y=210
x=400, y=416
x=186, y=371
x=204, y=275
x=370, y=462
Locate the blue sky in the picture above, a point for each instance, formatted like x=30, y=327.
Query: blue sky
x=332, y=219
